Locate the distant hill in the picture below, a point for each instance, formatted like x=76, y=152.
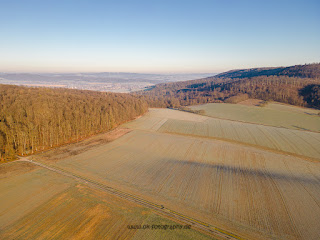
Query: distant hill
x=297, y=85
x=303, y=71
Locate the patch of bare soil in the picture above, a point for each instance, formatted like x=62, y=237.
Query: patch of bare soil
x=251, y=102
x=80, y=147
x=15, y=168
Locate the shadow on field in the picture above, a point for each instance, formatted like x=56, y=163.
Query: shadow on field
x=250, y=172
x=300, y=128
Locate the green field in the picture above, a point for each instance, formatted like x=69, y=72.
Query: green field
x=273, y=114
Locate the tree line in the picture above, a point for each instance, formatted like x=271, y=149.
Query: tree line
x=292, y=90
x=35, y=119
x=302, y=71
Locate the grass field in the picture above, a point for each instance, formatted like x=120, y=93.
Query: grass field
x=38, y=204
x=296, y=142
x=302, y=143
x=241, y=188
x=273, y=114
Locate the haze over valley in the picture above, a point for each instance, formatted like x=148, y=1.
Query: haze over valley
x=105, y=81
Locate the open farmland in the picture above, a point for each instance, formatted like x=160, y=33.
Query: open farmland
x=36, y=203
x=273, y=114
x=296, y=142
x=243, y=189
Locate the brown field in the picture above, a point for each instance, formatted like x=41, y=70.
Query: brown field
x=36, y=203
x=289, y=141
x=82, y=146
x=247, y=190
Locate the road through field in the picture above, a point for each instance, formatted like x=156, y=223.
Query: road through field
x=160, y=209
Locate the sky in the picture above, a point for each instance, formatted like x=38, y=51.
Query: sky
x=157, y=36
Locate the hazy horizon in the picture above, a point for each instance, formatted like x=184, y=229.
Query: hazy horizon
x=152, y=72
x=94, y=72
x=173, y=37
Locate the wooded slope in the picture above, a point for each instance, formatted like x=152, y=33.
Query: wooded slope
x=303, y=71
x=34, y=119
x=287, y=87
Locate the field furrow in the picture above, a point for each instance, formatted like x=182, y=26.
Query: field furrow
x=285, y=140
x=241, y=177
x=211, y=179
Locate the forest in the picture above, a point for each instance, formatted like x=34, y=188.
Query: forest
x=36, y=119
x=295, y=89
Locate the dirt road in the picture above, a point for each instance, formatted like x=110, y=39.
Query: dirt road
x=160, y=209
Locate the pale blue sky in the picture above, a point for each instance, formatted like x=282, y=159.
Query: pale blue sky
x=157, y=36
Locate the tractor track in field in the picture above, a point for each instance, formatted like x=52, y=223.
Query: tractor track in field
x=213, y=231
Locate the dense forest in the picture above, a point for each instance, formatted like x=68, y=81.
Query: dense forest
x=295, y=90
x=35, y=119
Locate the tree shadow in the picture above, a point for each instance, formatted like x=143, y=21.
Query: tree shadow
x=300, y=128
x=312, y=114
x=311, y=95
x=252, y=172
